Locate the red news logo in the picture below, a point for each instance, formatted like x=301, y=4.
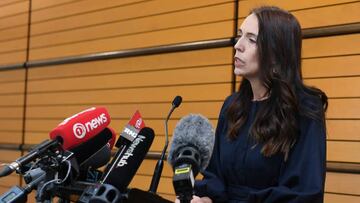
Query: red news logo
x=80, y=129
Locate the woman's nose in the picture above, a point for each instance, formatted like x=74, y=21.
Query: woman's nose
x=238, y=46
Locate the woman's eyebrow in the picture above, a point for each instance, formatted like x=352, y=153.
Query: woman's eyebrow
x=248, y=33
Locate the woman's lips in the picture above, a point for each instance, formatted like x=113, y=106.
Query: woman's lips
x=239, y=62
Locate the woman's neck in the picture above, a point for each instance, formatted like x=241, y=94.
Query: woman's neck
x=260, y=92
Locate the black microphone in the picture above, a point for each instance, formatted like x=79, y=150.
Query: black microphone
x=99, y=159
x=121, y=170
x=190, y=152
x=91, y=147
x=126, y=165
x=40, y=149
x=160, y=164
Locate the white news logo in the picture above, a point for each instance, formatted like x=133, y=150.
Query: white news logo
x=129, y=152
x=130, y=132
x=80, y=129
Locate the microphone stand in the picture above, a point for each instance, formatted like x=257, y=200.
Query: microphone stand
x=160, y=164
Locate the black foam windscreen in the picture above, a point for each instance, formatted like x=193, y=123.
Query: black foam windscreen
x=99, y=159
x=92, y=146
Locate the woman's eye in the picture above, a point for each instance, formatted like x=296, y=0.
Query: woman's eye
x=252, y=40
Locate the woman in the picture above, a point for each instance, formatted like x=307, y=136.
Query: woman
x=270, y=139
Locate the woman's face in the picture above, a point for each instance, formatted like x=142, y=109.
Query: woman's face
x=246, y=56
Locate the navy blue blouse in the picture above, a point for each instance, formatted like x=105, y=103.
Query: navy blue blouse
x=239, y=173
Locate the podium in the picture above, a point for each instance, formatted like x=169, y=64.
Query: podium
x=137, y=196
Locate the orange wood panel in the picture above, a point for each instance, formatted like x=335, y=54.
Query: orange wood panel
x=119, y=14
x=218, y=56
x=202, y=75
x=45, y=4
x=153, y=94
x=14, y=21
x=336, y=198
x=13, y=33
x=11, y=125
x=343, y=129
x=11, y=112
x=331, y=66
x=74, y=8
x=13, y=9
x=11, y=100
x=12, y=75
x=328, y=16
x=9, y=181
x=131, y=27
x=246, y=6
x=343, y=183
x=6, y=2
x=13, y=57
x=311, y=13
x=337, y=87
x=343, y=151
x=344, y=109
x=7, y=156
x=188, y=34
x=13, y=45
x=90, y=6
x=12, y=87
x=11, y=137
x=331, y=46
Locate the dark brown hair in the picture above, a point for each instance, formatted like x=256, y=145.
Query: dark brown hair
x=279, y=50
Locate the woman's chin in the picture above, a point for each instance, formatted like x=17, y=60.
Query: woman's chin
x=239, y=72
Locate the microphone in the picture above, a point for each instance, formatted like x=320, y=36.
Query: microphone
x=127, y=136
x=190, y=152
x=71, y=132
x=81, y=126
x=102, y=156
x=84, y=153
x=160, y=164
x=88, y=168
x=126, y=165
x=121, y=170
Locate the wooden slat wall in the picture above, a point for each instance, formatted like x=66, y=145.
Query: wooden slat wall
x=331, y=64
x=12, y=85
x=149, y=83
x=90, y=26
x=14, y=17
